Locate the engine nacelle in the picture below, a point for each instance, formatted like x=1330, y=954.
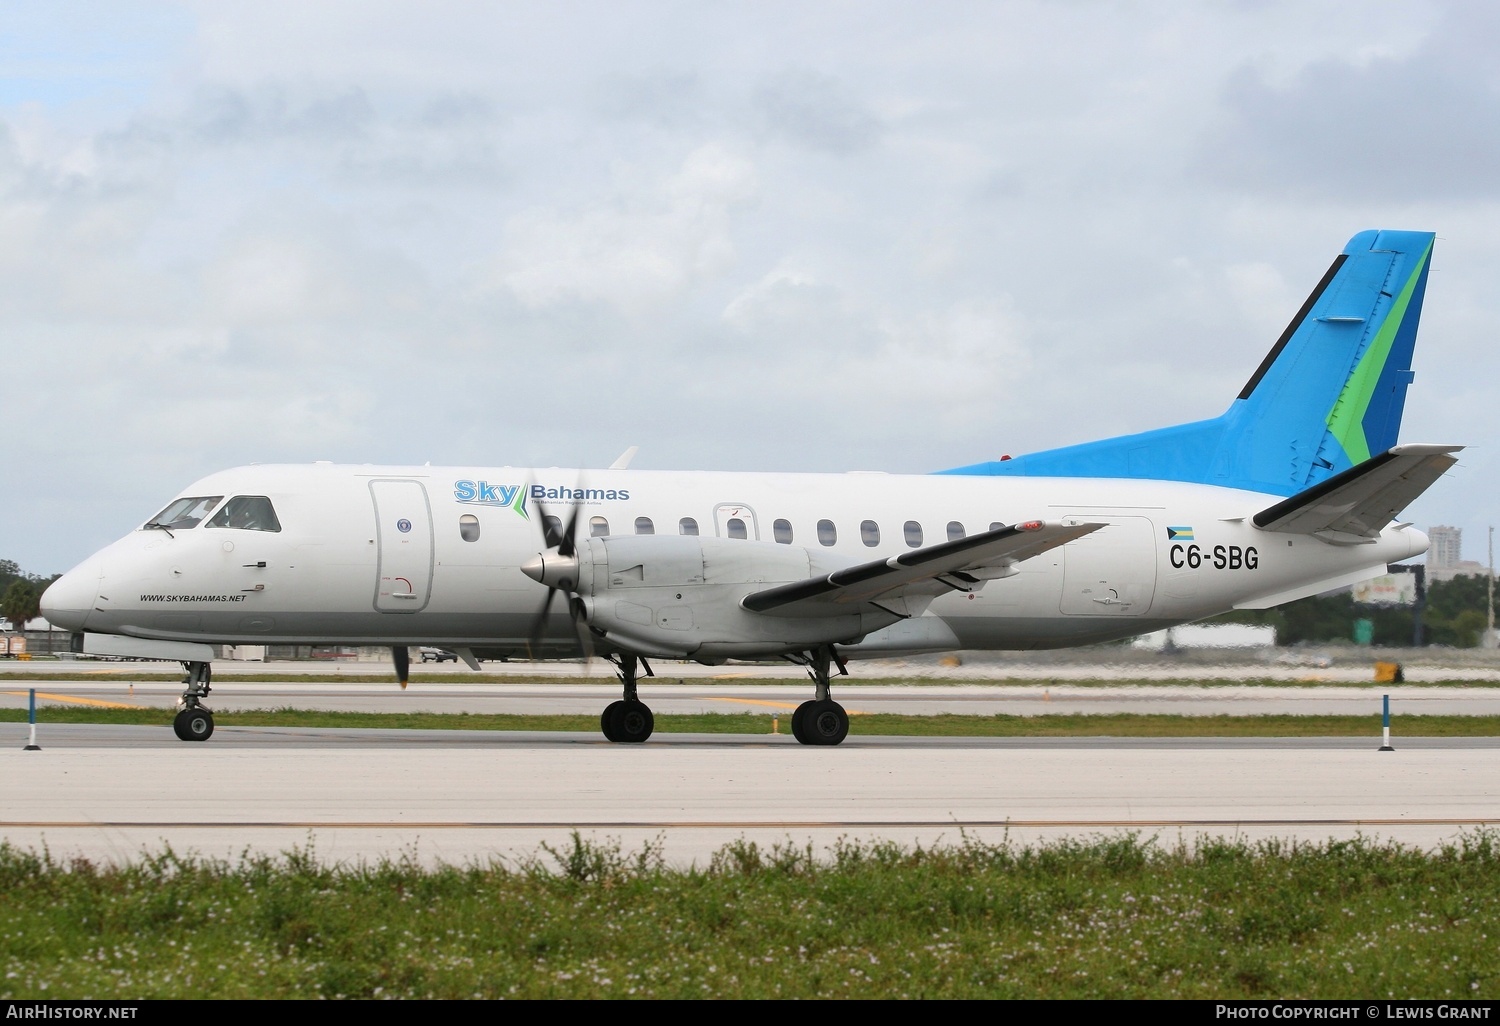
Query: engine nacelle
x=676, y=596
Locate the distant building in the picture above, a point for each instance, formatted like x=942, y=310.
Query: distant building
x=1445, y=555
x=1445, y=547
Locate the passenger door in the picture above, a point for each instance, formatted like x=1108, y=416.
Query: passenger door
x=403, y=535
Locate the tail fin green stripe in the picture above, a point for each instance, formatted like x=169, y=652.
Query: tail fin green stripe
x=1346, y=419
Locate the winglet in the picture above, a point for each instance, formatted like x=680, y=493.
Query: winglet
x=625, y=458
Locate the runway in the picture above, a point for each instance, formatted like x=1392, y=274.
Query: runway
x=109, y=793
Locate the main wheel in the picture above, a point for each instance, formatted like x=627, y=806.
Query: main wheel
x=799, y=722
x=194, y=724
x=630, y=722
x=607, y=720
x=826, y=723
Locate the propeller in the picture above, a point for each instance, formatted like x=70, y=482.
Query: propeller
x=401, y=656
x=559, y=571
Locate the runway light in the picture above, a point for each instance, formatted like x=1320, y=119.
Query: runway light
x=31, y=745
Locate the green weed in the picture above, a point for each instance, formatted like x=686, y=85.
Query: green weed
x=1111, y=917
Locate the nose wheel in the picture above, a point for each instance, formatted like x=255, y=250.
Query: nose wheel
x=629, y=720
x=194, y=720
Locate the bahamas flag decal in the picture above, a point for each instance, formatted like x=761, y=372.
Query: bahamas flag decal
x=1179, y=534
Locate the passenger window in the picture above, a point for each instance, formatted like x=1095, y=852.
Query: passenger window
x=247, y=513
x=688, y=526
x=996, y=526
x=913, y=533
x=643, y=525
x=598, y=527
x=736, y=528
x=783, y=531
x=955, y=530
x=869, y=532
x=468, y=527
x=827, y=533
x=185, y=513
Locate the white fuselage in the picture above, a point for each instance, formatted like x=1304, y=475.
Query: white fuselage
x=432, y=555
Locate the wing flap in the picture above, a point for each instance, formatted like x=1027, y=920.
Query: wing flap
x=981, y=556
x=1355, y=506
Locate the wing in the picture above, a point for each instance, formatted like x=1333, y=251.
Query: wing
x=1354, y=506
x=955, y=565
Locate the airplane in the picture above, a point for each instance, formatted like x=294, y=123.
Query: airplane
x=1291, y=492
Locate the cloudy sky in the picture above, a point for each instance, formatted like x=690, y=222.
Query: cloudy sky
x=757, y=236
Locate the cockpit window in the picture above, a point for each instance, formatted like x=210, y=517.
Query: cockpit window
x=247, y=513
x=185, y=513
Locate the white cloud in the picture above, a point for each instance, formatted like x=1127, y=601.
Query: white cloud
x=634, y=249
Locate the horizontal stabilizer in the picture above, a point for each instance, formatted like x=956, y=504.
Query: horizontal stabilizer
x=964, y=562
x=1354, y=506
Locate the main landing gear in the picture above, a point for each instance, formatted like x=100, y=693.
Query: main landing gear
x=194, y=722
x=628, y=720
x=821, y=721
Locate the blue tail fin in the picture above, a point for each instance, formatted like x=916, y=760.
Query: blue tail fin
x=1327, y=397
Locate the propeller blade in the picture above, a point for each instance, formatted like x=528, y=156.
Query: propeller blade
x=556, y=535
x=581, y=628
x=540, y=622
x=401, y=656
x=569, y=543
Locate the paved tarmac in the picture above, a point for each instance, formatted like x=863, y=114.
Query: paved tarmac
x=109, y=793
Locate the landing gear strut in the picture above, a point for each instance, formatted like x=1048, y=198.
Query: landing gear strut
x=821, y=721
x=194, y=721
x=628, y=720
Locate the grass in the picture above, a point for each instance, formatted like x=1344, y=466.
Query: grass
x=889, y=724
x=1116, y=917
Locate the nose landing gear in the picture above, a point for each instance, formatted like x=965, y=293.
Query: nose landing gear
x=194, y=721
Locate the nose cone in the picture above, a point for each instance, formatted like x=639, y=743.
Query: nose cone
x=69, y=600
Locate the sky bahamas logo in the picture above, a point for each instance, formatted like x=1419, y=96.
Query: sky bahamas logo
x=482, y=493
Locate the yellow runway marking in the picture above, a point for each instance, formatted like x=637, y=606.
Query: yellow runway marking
x=773, y=705
x=755, y=701
x=82, y=701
